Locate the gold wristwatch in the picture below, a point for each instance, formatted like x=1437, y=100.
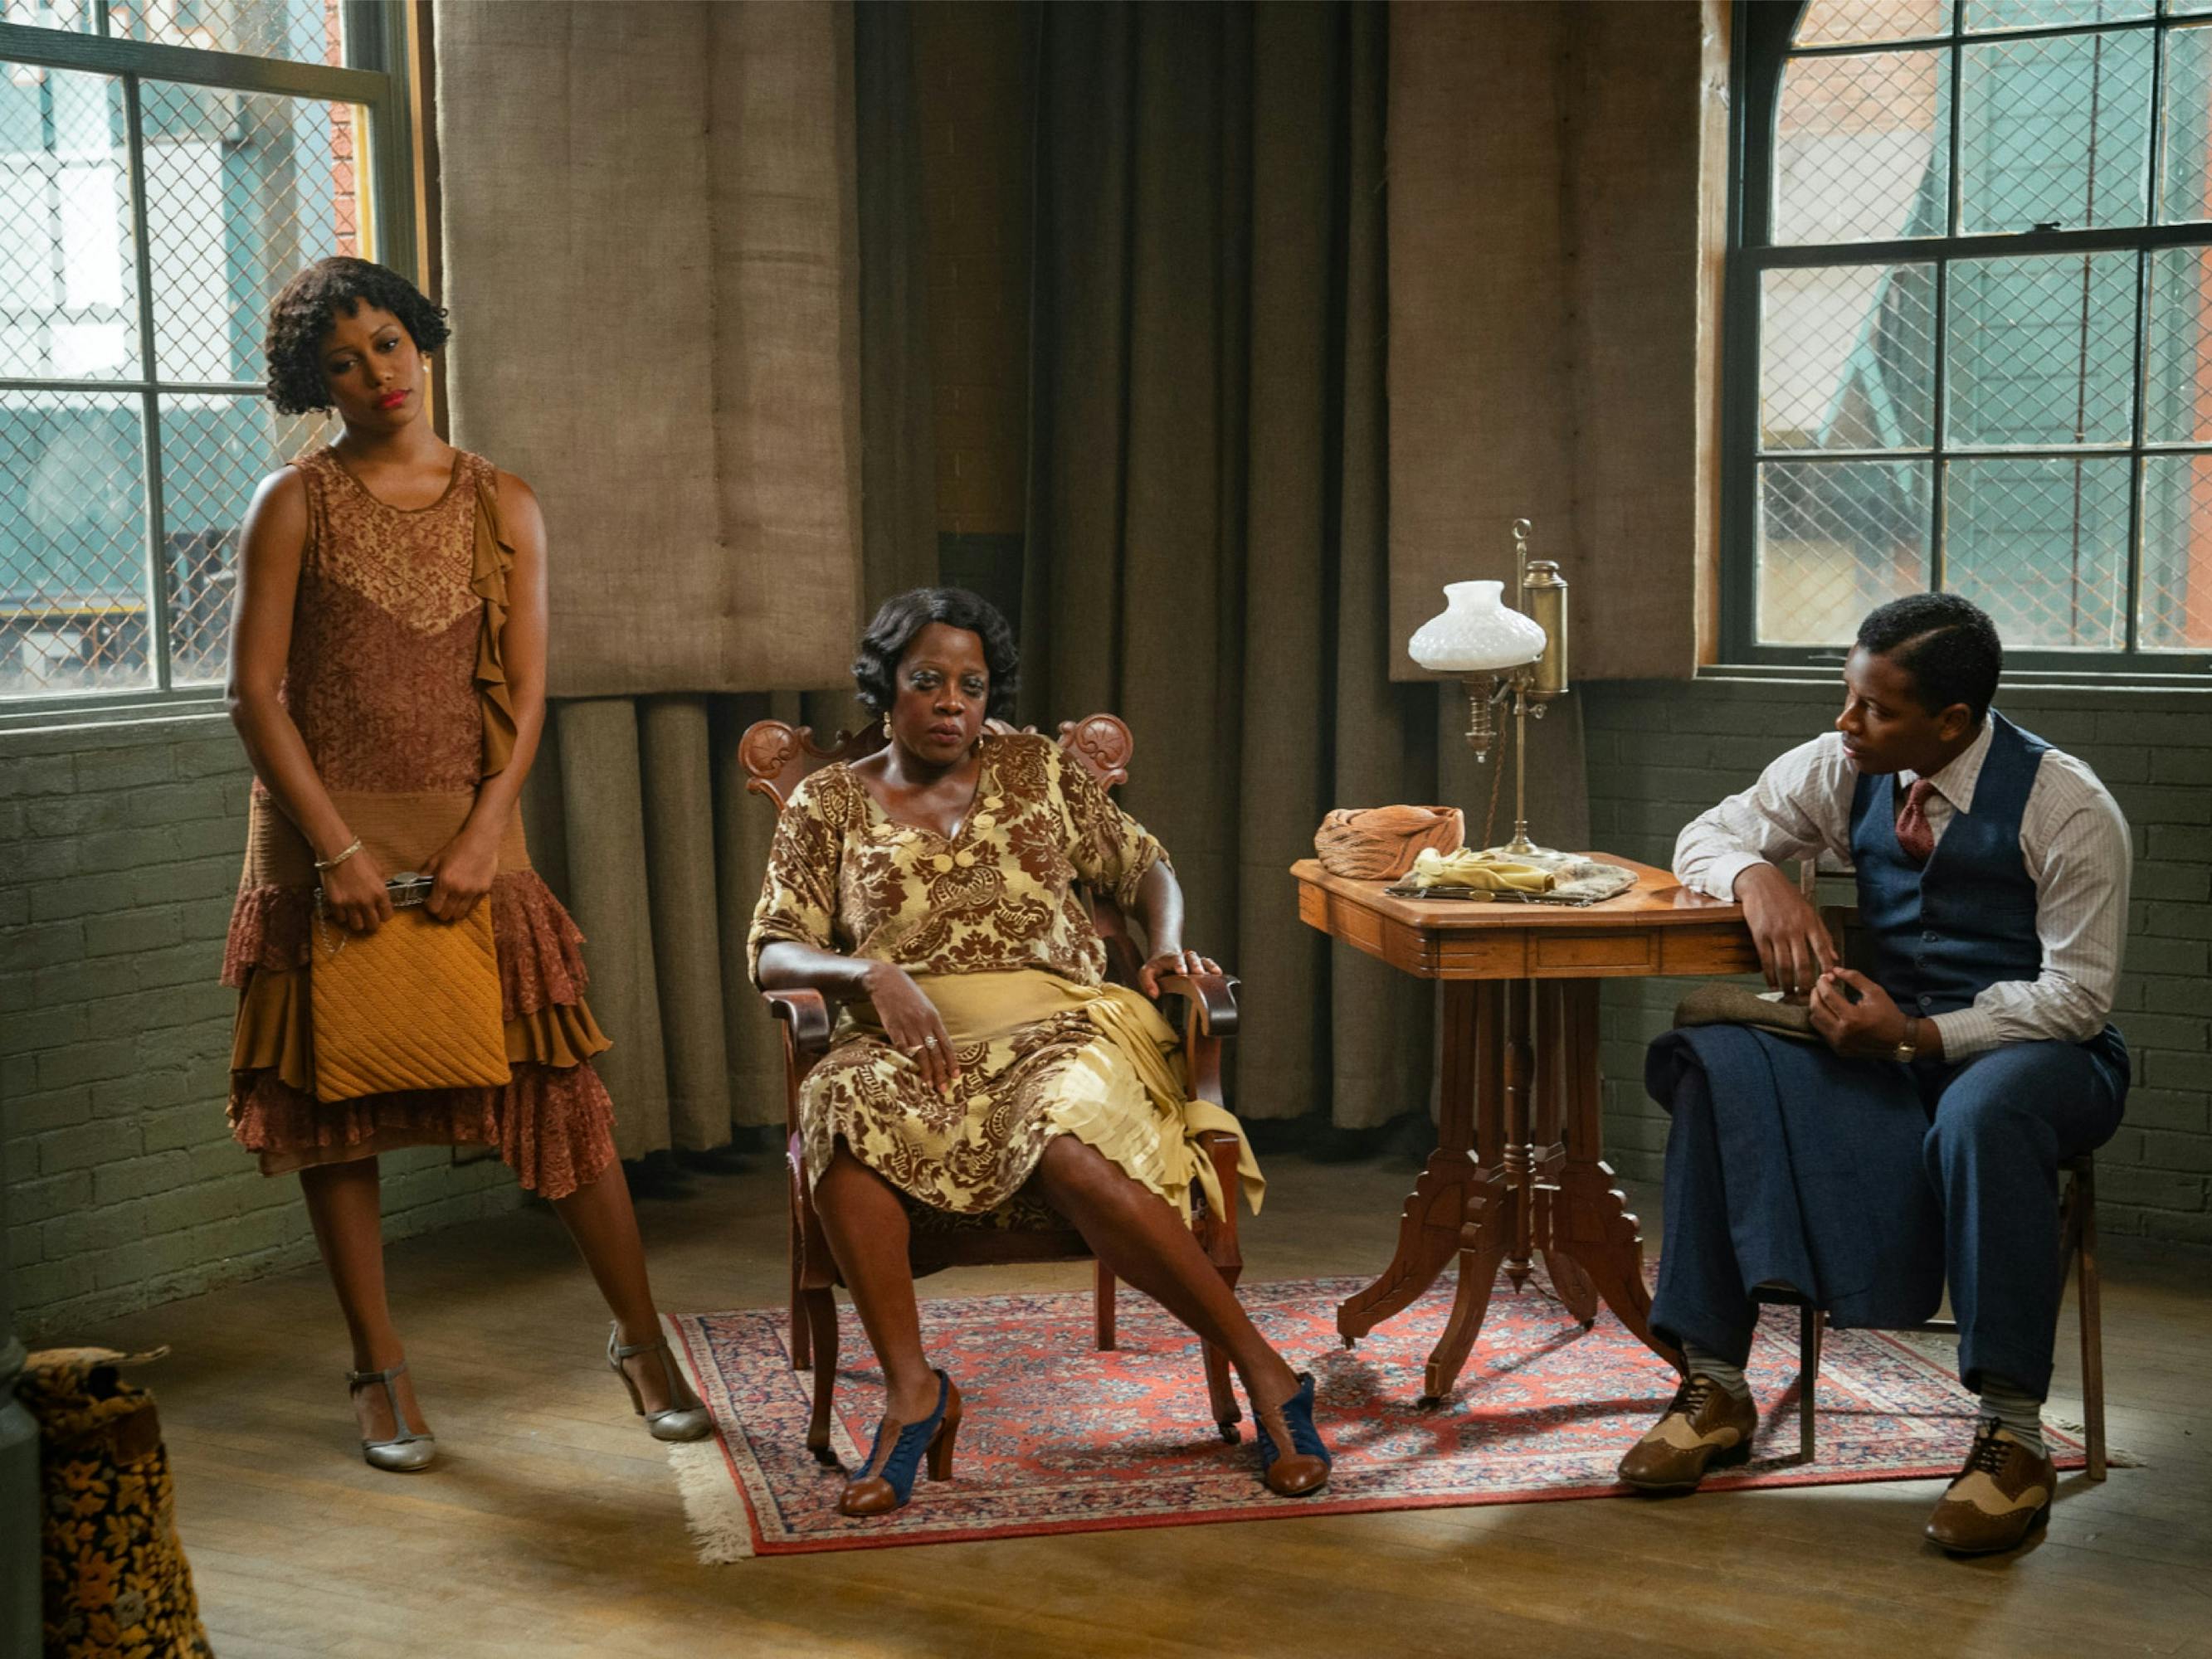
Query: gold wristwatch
x=1910, y=1045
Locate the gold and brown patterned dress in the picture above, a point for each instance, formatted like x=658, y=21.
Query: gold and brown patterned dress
x=395, y=682
x=992, y=926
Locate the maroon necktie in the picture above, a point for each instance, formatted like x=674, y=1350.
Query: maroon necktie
x=1913, y=835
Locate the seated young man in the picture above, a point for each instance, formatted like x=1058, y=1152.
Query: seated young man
x=1921, y=1135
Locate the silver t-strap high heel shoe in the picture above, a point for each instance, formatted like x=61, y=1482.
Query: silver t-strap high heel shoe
x=692, y=1422
x=406, y=1451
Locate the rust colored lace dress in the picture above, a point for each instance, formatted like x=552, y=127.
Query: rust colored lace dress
x=394, y=681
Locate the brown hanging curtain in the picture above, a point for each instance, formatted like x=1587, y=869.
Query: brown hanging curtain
x=1557, y=177
x=898, y=512
x=1208, y=519
x=721, y=199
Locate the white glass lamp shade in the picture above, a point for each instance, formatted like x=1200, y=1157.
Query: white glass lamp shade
x=1475, y=634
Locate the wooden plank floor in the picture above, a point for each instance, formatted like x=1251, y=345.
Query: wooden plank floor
x=552, y=1525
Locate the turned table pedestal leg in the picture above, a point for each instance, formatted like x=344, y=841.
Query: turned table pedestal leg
x=1517, y=1172
x=1458, y=1184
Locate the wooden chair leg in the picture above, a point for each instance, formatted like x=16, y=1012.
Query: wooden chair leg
x=804, y=1229
x=822, y=1318
x=1222, y=1392
x=2090, y=1296
x=1217, y=1234
x=802, y=1344
x=1105, y=1308
x=1220, y=1239
x=1808, y=1378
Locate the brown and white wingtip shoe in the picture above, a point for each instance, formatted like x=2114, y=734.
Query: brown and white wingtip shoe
x=1703, y=1426
x=2004, y=1489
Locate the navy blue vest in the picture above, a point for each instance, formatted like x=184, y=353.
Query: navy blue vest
x=1944, y=933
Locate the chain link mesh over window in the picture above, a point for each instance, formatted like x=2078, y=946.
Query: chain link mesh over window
x=2033, y=428
x=145, y=225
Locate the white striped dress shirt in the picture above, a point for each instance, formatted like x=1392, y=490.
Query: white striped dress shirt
x=2071, y=836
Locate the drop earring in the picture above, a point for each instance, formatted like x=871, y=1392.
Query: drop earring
x=887, y=728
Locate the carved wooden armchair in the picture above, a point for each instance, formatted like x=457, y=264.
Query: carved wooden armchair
x=776, y=756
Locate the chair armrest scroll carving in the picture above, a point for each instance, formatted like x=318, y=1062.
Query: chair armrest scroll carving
x=1212, y=998
x=807, y=1014
x=1209, y=1003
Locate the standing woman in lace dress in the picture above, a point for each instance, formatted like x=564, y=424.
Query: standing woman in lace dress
x=387, y=675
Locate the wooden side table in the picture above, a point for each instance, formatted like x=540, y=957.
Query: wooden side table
x=1518, y=1169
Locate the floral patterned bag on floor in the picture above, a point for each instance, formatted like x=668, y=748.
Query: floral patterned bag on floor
x=116, y=1582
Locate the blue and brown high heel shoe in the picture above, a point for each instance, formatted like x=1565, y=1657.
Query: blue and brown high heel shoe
x=887, y=1480
x=1294, y=1460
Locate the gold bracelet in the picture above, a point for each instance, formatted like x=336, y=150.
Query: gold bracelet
x=332, y=864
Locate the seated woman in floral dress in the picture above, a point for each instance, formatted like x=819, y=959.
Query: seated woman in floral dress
x=929, y=888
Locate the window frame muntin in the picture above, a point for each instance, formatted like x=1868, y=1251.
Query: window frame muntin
x=376, y=36
x=1760, y=49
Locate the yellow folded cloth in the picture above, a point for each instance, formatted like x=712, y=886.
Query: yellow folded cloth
x=1478, y=870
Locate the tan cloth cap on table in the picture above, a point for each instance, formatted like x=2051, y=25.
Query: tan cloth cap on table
x=1380, y=843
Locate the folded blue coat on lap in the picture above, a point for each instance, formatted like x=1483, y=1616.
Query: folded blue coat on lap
x=1821, y=1157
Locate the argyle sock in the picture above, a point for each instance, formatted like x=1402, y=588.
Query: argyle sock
x=1702, y=1362
x=2020, y=1411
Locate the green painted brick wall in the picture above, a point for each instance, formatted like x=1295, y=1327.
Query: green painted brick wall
x=120, y=854
x=1662, y=752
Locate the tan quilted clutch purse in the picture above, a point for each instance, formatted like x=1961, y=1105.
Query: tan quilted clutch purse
x=413, y=1006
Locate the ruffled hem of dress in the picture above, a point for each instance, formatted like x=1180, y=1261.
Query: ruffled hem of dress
x=552, y=1125
x=539, y=946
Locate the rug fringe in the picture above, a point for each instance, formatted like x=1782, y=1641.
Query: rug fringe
x=714, y=1513
x=714, y=1509
x=2115, y=1457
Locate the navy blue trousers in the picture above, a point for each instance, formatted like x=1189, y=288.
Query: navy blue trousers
x=1998, y=1127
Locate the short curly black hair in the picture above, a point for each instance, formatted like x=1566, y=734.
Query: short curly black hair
x=301, y=316
x=1948, y=644
x=906, y=615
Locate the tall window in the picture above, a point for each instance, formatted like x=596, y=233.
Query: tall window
x=165, y=166
x=1971, y=325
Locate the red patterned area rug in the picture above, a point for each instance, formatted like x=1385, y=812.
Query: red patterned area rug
x=1060, y=1438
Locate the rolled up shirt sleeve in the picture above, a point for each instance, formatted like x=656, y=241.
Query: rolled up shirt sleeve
x=1799, y=808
